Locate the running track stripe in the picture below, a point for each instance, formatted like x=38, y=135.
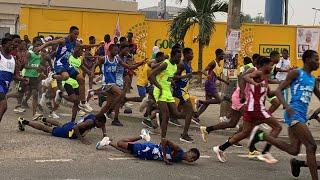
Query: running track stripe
x=53, y=160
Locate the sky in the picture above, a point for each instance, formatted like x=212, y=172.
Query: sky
x=300, y=11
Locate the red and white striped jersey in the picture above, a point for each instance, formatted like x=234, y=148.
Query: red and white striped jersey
x=256, y=96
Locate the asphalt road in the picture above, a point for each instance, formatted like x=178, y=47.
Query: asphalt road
x=37, y=155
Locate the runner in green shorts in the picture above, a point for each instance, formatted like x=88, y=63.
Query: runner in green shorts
x=162, y=77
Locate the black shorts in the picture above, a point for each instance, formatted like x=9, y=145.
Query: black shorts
x=34, y=83
x=71, y=90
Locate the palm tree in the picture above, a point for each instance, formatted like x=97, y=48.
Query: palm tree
x=201, y=13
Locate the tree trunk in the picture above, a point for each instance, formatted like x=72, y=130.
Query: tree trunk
x=233, y=22
x=200, y=62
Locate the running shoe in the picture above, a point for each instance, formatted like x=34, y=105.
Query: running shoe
x=90, y=94
x=54, y=115
x=58, y=97
x=85, y=107
x=204, y=133
x=147, y=122
x=116, y=122
x=313, y=116
x=268, y=158
x=19, y=110
x=220, y=154
x=254, y=154
x=186, y=138
x=145, y=134
x=104, y=142
x=144, y=104
x=295, y=167
x=36, y=116
x=81, y=113
x=238, y=145
x=175, y=122
x=20, y=124
x=195, y=120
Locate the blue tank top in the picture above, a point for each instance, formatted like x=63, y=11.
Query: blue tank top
x=182, y=83
x=301, y=92
x=63, y=52
x=120, y=72
x=110, y=70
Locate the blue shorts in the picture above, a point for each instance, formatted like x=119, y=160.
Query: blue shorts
x=66, y=68
x=298, y=117
x=64, y=131
x=142, y=91
x=3, y=87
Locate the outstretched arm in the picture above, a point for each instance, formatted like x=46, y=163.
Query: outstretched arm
x=50, y=43
x=83, y=125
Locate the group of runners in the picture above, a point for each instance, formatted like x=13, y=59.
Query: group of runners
x=163, y=90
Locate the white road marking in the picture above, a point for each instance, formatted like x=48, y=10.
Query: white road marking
x=205, y=157
x=52, y=160
x=306, y=154
x=122, y=158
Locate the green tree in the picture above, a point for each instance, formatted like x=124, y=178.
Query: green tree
x=201, y=13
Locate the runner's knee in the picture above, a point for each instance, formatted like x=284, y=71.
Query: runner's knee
x=311, y=147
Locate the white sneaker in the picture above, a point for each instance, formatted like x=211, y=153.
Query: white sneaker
x=145, y=134
x=81, y=113
x=42, y=101
x=104, y=142
x=54, y=115
x=58, y=97
x=144, y=103
x=19, y=110
x=220, y=154
x=90, y=94
x=36, y=116
x=85, y=107
x=268, y=158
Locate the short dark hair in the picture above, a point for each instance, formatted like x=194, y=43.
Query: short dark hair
x=174, y=51
x=196, y=151
x=159, y=54
x=15, y=36
x=274, y=54
x=263, y=61
x=285, y=50
x=255, y=56
x=247, y=60
x=91, y=38
x=218, y=51
x=122, y=39
x=72, y=28
x=308, y=54
x=130, y=33
x=101, y=119
x=5, y=40
x=106, y=37
x=186, y=51
x=35, y=39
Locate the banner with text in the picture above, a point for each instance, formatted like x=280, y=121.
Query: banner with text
x=307, y=39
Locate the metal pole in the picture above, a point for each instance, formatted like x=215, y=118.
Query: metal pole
x=286, y=6
x=165, y=9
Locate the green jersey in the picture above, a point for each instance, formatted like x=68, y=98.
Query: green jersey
x=33, y=62
x=165, y=77
x=75, y=62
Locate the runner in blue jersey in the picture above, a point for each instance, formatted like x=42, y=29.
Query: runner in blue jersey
x=302, y=84
x=8, y=72
x=110, y=64
x=71, y=130
x=151, y=151
x=181, y=91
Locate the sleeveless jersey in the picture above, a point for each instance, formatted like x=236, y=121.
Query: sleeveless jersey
x=109, y=70
x=7, y=67
x=165, y=77
x=183, y=84
x=256, y=96
x=63, y=52
x=34, y=62
x=301, y=93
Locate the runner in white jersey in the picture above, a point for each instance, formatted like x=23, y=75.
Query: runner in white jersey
x=7, y=72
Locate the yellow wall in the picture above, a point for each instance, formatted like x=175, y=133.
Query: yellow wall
x=147, y=33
